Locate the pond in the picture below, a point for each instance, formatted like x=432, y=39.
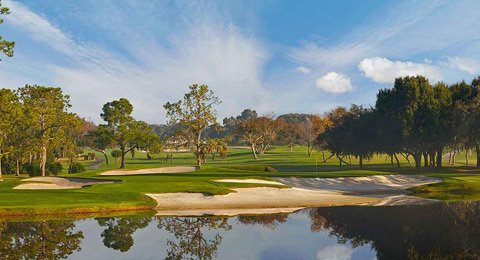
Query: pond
x=435, y=231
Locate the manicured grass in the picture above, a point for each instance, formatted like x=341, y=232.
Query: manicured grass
x=129, y=194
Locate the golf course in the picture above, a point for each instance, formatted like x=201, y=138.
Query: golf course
x=116, y=193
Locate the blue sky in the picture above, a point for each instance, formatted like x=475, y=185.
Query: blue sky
x=272, y=56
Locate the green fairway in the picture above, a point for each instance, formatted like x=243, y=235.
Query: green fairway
x=129, y=193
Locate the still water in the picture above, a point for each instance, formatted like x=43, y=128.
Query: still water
x=437, y=231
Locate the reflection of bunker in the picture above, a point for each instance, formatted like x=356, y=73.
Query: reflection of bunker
x=56, y=183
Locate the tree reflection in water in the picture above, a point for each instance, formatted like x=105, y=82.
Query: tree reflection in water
x=440, y=231
x=192, y=242
x=269, y=221
x=118, y=234
x=39, y=240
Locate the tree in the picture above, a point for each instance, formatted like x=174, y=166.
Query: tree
x=289, y=133
x=146, y=139
x=443, y=130
x=10, y=111
x=121, y=125
x=268, y=128
x=117, y=154
x=53, y=239
x=230, y=123
x=294, y=118
x=118, y=232
x=102, y=140
x=70, y=138
x=196, y=113
x=5, y=46
x=46, y=109
x=310, y=129
x=222, y=148
x=191, y=242
x=407, y=110
x=247, y=131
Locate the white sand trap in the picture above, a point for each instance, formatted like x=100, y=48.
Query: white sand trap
x=55, y=183
x=257, y=181
x=261, y=197
x=224, y=212
x=373, y=183
x=173, y=169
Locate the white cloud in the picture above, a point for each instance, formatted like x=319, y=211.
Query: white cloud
x=206, y=51
x=382, y=70
x=334, y=82
x=303, y=70
x=464, y=64
x=335, y=252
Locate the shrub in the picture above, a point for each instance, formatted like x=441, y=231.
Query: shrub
x=34, y=170
x=54, y=168
x=116, y=154
x=91, y=156
x=9, y=165
x=76, y=168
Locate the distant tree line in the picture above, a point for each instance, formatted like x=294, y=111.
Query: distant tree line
x=414, y=119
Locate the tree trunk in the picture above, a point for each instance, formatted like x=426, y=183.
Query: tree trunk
x=396, y=158
x=425, y=159
x=418, y=161
x=325, y=160
x=148, y=156
x=253, y=152
x=1, y=177
x=122, y=164
x=454, y=156
x=477, y=150
x=466, y=157
x=439, y=158
x=106, y=157
x=360, y=163
x=291, y=147
x=17, y=172
x=406, y=158
x=132, y=152
x=432, y=159
x=199, y=143
x=450, y=157
x=43, y=158
x=308, y=149
x=323, y=155
x=391, y=159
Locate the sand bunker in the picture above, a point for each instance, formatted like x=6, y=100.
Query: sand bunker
x=55, y=183
x=261, y=197
x=257, y=181
x=370, y=184
x=173, y=169
x=378, y=190
x=400, y=200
